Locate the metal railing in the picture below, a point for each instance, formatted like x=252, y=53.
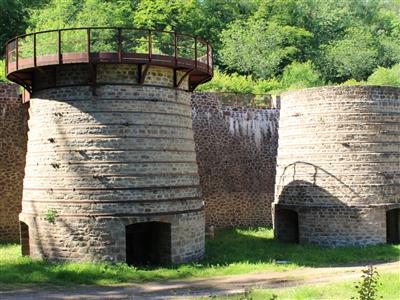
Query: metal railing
x=108, y=45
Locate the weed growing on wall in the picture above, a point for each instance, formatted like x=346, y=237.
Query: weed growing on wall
x=50, y=215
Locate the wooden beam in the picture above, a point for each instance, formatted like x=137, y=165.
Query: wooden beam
x=143, y=74
x=183, y=77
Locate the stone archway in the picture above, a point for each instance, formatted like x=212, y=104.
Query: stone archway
x=148, y=243
x=393, y=226
x=24, y=237
x=287, y=225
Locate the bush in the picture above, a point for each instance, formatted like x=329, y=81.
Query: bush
x=352, y=82
x=367, y=289
x=234, y=83
x=300, y=75
x=385, y=76
x=296, y=75
x=2, y=71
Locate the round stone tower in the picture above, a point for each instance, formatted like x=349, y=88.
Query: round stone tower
x=111, y=171
x=338, y=175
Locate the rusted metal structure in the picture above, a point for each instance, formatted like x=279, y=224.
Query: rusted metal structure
x=109, y=45
x=111, y=172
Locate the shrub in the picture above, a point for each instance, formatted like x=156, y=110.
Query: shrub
x=367, y=288
x=300, y=75
x=352, y=82
x=234, y=83
x=386, y=76
x=2, y=71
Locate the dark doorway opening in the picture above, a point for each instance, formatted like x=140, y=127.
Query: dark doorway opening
x=287, y=226
x=393, y=226
x=24, y=236
x=148, y=243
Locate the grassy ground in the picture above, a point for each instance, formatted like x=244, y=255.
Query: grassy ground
x=389, y=289
x=236, y=251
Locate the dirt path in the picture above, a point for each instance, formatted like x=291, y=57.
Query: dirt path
x=186, y=289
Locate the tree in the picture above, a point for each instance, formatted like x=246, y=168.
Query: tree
x=385, y=76
x=75, y=13
x=205, y=18
x=14, y=18
x=300, y=75
x=260, y=48
x=354, y=56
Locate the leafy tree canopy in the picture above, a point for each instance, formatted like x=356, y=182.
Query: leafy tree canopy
x=277, y=44
x=261, y=48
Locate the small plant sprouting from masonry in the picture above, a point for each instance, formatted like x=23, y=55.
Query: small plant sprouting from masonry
x=50, y=215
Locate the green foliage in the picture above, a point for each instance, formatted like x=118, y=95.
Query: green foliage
x=206, y=18
x=354, y=56
x=50, y=215
x=2, y=71
x=14, y=18
x=72, y=13
x=300, y=75
x=352, y=82
x=343, y=39
x=337, y=290
x=234, y=83
x=367, y=289
x=260, y=48
x=265, y=40
x=385, y=76
x=234, y=251
x=296, y=75
x=167, y=15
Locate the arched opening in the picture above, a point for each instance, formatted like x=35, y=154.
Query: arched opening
x=24, y=237
x=148, y=243
x=393, y=226
x=287, y=226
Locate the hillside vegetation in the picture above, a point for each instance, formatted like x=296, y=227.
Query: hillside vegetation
x=260, y=46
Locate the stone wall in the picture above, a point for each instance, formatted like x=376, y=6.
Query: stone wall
x=13, y=136
x=236, y=153
x=338, y=164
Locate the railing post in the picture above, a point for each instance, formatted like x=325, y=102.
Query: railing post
x=208, y=58
x=88, y=43
x=150, y=46
x=176, y=48
x=7, y=61
x=119, y=44
x=59, y=47
x=195, y=52
x=34, y=50
x=16, y=54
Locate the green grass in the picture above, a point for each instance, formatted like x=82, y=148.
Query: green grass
x=235, y=251
x=389, y=289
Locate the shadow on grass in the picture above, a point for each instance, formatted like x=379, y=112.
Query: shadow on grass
x=258, y=246
x=231, y=252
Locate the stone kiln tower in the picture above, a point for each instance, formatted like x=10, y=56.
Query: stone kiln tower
x=338, y=175
x=111, y=171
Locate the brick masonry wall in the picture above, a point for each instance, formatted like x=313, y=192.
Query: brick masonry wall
x=236, y=153
x=13, y=136
x=103, y=161
x=338, y=163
